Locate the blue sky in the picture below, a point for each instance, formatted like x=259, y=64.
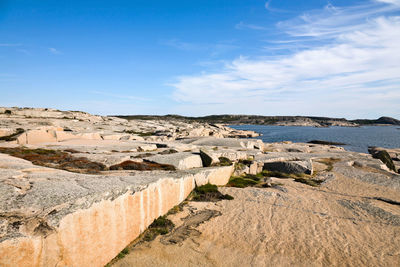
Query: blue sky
x=322, y=58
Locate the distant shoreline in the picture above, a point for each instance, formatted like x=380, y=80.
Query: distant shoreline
x=271, y=120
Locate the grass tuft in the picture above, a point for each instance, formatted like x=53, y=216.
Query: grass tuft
x=224, y=161
x=208, y=192
x=160, y=226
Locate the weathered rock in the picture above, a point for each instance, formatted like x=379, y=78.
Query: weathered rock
x=181, y=161
x=255, y=167
x=384, y=156
x=147, y=147
x=208, y=158
x=63, y=216
x=290, y=166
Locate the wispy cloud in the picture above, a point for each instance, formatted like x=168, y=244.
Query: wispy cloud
x=268, y=6
x=241, y=25
x=393, y=2
x=356, y=71
x=9, y=45
x=54, y=51
x=333, y=21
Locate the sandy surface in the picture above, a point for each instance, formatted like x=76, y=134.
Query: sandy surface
x=293, y=225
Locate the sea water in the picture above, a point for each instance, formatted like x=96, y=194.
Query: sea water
x=356, y=138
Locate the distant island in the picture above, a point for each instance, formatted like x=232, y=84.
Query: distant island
x=271, y=120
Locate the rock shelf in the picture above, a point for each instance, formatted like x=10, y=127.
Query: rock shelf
x=76, y=189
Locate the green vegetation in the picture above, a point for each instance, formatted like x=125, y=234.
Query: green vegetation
x=208, y=192
x=258, y=180
x=241, y=182
x=224, y=161
x=123, y=253
x=178, y=208
x=160, y=226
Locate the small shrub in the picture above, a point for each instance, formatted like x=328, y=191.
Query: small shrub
x=8, y=112
x=241, y=182
x=177, y=208
x=208, y=192
x=160, y=226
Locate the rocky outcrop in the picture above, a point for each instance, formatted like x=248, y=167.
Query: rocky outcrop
x=385, y=157
x=291, y=167
x=181, y=161
x=75, y=189
x=83, y=220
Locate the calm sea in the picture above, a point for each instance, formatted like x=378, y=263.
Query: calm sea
x=356, y=138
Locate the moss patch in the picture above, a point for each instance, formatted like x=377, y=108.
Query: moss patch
x=224, y=161
x=241, y=182
x=208, y=192
x=160, y=226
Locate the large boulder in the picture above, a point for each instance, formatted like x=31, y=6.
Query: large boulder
x=295, y=167
x=208, y=158
x=384, y=156
x=181, y=161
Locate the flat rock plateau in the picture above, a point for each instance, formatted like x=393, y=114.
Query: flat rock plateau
x=83, y=190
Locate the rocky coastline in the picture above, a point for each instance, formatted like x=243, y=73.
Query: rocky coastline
x=83, y=190
x=309, y=121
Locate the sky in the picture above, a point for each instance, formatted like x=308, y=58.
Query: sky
x=337, y=58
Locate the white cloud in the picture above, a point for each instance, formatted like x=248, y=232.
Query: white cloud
x=357, y=74
x=393, y=2
x=54, y=51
